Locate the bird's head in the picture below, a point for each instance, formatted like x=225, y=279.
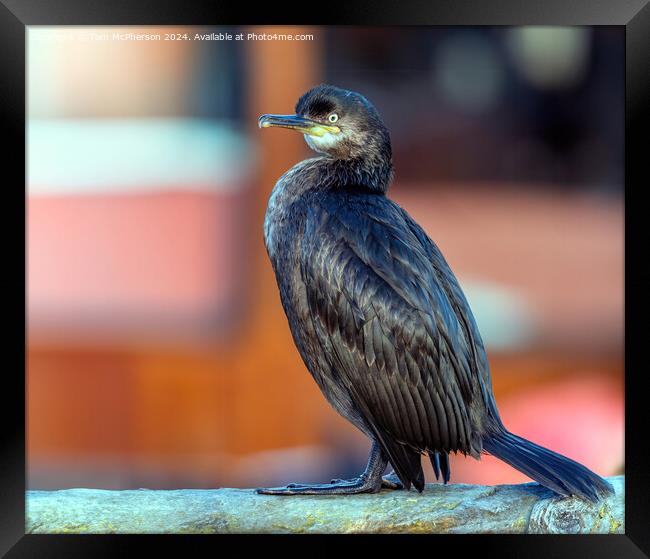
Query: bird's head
x=340, y=123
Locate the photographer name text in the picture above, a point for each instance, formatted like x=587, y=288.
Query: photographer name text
x=144, y=37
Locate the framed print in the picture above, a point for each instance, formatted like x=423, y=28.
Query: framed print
x=424, y=218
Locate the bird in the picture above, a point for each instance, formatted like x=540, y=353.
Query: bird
x=378, y=316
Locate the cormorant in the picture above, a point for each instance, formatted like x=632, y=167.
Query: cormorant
x=379, y=317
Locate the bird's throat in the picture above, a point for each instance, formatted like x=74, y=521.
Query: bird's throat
x=373, y=175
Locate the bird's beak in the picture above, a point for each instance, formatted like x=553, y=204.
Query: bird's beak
x=296, y=122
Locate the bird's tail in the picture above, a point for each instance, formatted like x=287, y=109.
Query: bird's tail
x=561, y=474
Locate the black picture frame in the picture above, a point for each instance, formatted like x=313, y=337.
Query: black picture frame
x=634, y=15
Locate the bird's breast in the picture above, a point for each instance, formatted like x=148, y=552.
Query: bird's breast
x=283, y=226
x=277, y=224
x=285, y=212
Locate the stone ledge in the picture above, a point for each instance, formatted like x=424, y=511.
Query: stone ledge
x=454, y=508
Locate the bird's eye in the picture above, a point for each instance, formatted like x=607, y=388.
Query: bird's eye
x=333, y=117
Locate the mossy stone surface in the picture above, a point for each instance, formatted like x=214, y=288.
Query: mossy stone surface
x=454, y=508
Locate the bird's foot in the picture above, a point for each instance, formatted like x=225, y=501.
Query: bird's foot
x=391, y=481
x=352, y=486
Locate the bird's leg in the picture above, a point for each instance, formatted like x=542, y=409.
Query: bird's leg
x=390, y=481
x=369, y=481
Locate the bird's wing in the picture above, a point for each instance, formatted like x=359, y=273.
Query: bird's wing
x=478, y=359
x=388, y=324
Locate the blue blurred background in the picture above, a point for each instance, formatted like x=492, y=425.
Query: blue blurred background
x=158, y=353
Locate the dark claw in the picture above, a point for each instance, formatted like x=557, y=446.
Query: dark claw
x=391, y=481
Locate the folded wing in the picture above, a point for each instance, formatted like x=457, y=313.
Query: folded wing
x=393, y=328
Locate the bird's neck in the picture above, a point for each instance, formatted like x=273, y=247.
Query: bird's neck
x=368, y=173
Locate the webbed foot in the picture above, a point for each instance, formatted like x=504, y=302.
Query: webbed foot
x=337, y=487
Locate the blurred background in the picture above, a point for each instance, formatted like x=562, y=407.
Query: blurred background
x=158, y=353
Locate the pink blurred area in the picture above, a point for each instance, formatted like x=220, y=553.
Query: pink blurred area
x=102, y=260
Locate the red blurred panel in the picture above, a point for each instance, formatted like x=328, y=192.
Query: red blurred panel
x=104, y=259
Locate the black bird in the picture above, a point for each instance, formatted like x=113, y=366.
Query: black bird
x=379, y=317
